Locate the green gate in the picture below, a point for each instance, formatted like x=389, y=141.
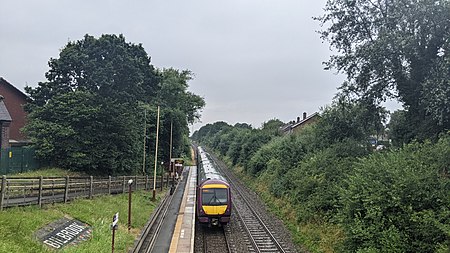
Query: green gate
x=17, y=160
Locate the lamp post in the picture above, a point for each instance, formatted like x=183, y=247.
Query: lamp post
x=130, y=182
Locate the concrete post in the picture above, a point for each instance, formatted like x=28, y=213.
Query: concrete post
x=40, y=192
x=91, y=187
x=2, y=196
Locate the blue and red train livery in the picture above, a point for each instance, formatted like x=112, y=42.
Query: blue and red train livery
x=213, y=193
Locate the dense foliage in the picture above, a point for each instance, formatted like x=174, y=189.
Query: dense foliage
x=396, y=49
x=100, y=94
x=385, y=201
x=399, y=201
x=394, y=200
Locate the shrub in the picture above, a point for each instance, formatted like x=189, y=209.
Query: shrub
x=398, y=201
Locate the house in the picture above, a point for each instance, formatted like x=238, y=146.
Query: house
x=296, y=126
x=12, y=115
x=5, y=123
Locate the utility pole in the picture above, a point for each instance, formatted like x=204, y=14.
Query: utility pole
x=145, y=138
x=156, y=157
x=170, y=157
x=170, y=151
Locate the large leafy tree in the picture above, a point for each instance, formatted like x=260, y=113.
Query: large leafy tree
x=87, y=115
x=173, y=93
x=108, y=67
x=347, y=119
x=394, y=49
x=179, y=108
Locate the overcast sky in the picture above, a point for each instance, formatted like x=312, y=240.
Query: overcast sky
x=253, y=60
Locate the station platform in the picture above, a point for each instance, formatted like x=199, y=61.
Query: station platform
x=184, y=232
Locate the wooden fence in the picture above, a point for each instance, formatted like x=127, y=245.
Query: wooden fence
x=22, y=191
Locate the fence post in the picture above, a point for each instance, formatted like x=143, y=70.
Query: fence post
x=162, y=179
x=2, y=196
x=123, y=185
x=136, y=183
x=167, y=180
x=109, y=185
x=66, y=190
x=40, y=192
x=146, y=182
x=91, y=187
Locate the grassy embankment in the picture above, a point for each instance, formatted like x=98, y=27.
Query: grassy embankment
x=18, y=225
x=317, y=236
x=392, y=201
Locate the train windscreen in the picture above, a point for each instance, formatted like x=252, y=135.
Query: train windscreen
x=214, y=197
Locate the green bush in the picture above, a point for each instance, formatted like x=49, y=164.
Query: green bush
x=399, y=201
x=288, y=150
x=317, y=178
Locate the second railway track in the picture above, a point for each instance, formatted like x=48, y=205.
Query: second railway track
x=262, y=237
x=146, y=241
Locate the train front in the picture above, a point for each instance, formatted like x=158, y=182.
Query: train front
x=214, y=202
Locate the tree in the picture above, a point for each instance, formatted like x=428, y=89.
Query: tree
x=107, y=66
x=346, y=119
x=437, y=91
x=174, y=94
x=392, y=49
x=89, y=114
x=399, y=129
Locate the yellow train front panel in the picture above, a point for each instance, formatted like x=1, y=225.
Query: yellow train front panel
x=215, y=210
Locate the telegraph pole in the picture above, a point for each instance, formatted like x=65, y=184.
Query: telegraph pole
x=156, y=157
x=170, y=156
x=145, y=137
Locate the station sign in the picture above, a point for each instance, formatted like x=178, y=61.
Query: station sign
x=177, y=161
x=116, y=216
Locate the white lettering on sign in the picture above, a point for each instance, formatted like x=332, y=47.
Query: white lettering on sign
x=64, y=236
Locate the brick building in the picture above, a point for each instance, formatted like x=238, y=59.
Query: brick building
x=12, y=115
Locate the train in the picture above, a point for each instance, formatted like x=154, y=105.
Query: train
x=213, y=205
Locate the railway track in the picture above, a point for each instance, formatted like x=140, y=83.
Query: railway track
x=215, y=240
x=262, y=237
x=147, y=239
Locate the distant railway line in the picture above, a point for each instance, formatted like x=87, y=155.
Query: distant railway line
x=147, y=239
x=261, y=235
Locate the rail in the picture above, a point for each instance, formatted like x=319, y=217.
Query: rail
x=260, y=235
x=146, y=240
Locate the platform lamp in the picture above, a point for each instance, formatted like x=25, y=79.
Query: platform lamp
x=130, y=182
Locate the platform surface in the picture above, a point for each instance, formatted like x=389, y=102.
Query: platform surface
x=184, y=232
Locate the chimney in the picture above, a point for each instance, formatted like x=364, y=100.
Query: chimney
x=304, y=115
x=298, y=119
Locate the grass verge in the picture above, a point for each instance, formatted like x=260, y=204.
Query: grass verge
x=48, y=172
x=317, y=236
x=18, y=225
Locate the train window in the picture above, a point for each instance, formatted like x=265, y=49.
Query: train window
x=214, y=197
